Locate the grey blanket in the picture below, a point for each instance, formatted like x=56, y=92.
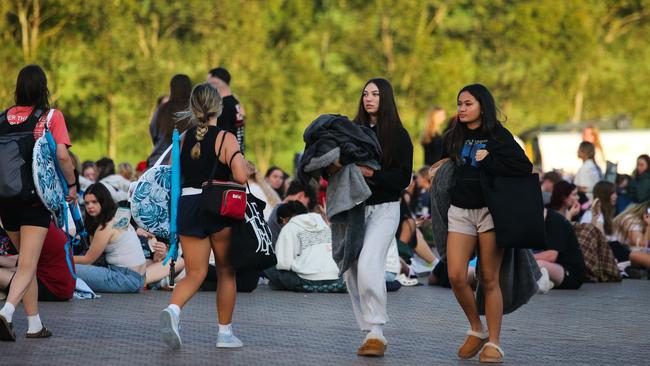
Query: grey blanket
x=519, y=271
x=346, y=193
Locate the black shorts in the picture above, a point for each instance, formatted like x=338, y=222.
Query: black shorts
x=44, y=294
x=571, y=281
x=17, y=213
x=193, y=221
x=621, y=252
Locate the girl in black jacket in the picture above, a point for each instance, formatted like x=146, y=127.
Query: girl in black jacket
x=365, y=278
x=479, y=145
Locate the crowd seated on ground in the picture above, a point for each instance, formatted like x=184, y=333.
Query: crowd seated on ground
x=596, y=231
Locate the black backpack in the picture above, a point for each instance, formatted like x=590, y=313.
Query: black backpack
x=16, y=149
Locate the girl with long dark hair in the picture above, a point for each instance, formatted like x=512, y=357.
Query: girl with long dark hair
x=200, y=232
x=164, y=118
x=479, y=145
x=639, y=187
x=565, y=199
x=117, y=240
x=365, y=278
x=23, y=214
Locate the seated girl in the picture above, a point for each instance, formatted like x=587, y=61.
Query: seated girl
x=117, y=240
x=304, y=252
x=563, y=259
x=632, y=228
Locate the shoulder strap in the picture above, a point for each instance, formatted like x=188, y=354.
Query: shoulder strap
x=49, y=118
x=216, y=163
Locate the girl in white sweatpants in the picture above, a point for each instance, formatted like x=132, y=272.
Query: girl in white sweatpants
x=365, y=278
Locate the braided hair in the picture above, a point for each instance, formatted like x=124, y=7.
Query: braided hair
x=205, y=103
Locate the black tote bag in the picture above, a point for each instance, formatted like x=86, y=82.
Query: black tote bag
x=251, y=245
x=517, y=210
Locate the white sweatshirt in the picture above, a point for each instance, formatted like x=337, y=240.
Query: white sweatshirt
x=304, y=246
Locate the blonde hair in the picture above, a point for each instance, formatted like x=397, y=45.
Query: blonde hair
x=125, y=169
x=205, y=103
x=433, y=124
x=272, y=197
x=633, y=215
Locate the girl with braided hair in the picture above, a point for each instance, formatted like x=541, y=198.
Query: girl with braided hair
x=199, y=231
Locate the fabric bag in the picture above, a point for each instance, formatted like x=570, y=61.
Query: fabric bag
x=226, y=199
x=251, y=241
x=517, y=210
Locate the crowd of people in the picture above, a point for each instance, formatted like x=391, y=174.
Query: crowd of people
x=596, y=230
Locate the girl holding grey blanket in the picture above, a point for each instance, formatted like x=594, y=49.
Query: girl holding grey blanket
x=365, y=278
x=479, y=145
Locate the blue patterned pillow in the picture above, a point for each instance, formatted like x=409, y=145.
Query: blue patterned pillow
x=48, y=185
x=150, y=203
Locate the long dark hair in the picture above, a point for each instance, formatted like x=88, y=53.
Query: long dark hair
x=180, y=88
x=105, y=167
x=561, y=190
x=388, y=121
x=604, y=190
x=108, y=207
x=31, y=88
x=645, y=157
x=455, y=136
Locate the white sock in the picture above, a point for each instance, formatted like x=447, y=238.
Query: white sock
x=377, y=330
x=225, y=329
x=7, y=311
x=34, y=324
x=175, y=310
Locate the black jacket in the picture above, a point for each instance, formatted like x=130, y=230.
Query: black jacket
x=358, y=144
x=512, y=193
x=388, y=182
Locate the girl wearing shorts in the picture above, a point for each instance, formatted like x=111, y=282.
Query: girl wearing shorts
x=201, y=233
x=475, y=143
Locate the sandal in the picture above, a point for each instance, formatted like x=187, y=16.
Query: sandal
x=472, y=345
x=491, y=354
x=6, y=330
x=43, y=333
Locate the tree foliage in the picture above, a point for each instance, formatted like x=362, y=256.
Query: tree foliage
x=547, y=61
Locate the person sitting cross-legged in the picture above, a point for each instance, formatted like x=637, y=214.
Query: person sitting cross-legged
x=304, y=252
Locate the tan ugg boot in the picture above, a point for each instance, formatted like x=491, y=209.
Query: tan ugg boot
x=491, y=353
x=472, y=345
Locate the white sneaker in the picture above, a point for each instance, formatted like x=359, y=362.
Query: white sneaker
x=169, y=329
x=544, y=284
x=228, y=341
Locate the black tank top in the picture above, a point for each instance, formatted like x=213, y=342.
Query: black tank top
x=195, y=172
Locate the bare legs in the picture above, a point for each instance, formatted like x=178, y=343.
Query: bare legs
x=460, y=249
x=29, y=242
x=196, y=253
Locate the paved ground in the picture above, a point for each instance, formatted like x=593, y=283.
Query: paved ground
x=601, y=324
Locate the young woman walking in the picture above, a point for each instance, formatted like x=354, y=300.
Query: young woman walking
x=365, y=279
x=199, y=231
x=24, y=216
x=476, y=144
